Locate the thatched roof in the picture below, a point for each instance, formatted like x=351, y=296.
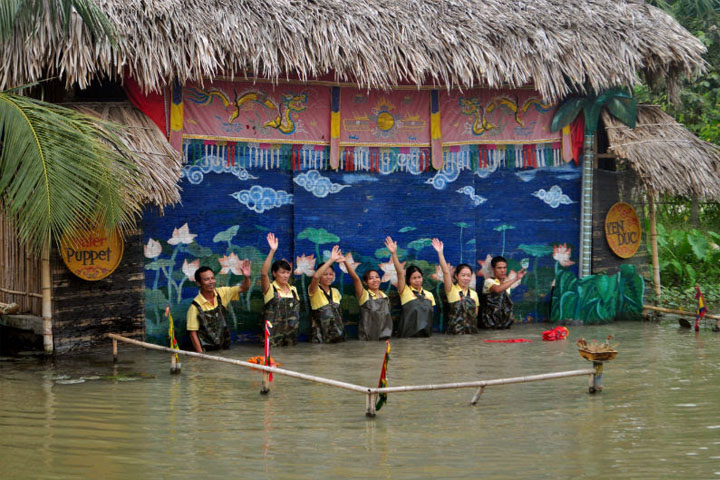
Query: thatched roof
x=666, y=156
x=553, y=44
x=159, y=163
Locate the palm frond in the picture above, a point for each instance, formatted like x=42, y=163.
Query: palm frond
x=62, y=172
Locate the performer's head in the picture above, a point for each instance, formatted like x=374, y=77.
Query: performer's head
x=371, y=279
x=414, y=277
x=205, y=279
x=499, y=266
x=463, y=275
x=328, y=277
x=281, y=271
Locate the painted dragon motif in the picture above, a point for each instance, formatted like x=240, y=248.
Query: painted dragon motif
x=473, y=107
x=283, y=120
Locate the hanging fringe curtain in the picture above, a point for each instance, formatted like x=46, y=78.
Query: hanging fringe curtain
x=220, y=155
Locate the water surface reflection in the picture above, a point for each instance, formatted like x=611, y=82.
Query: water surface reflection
x=657, y=418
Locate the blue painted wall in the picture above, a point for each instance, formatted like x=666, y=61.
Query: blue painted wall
x=229, y=209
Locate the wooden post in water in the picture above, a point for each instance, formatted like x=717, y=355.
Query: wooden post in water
x=596, y=378
x=476, y=397
x=370, y=402
x=175, y=365
x=265, y=388
x=115, y=352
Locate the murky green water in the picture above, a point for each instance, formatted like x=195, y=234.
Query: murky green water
x=659, y=416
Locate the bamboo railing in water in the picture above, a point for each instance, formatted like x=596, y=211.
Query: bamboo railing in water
x=19, y=272
x=371, y=393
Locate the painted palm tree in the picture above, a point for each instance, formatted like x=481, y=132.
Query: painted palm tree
x=59, y=170
x=621, y=105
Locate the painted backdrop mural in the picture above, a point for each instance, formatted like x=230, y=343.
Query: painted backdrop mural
x=257, y=159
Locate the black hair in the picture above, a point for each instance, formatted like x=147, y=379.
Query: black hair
x=200, y=271
x=410, y=270
x=497, y=260
x=459, y=268
x=366, y=275
x=280, y=265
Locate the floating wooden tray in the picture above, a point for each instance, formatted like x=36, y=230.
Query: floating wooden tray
x=598, y=356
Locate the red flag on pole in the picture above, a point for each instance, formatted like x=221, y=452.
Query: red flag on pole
x=268, y=360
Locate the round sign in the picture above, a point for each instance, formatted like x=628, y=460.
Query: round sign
x=622, y=230
x=95, y=256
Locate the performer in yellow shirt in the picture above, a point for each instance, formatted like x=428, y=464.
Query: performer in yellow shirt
x=462, y=300
x=417, y=304
x=282, y=303
x=327, y=322
x=206, y=317
x=375, y=319
x=496, y=310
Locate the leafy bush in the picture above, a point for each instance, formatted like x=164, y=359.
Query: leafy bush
x=688, y=257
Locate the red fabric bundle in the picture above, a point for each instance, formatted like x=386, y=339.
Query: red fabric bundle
x=509, y=340
x=557, y=333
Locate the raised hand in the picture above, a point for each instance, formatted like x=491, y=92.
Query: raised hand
x=521, y=273
x=437, y=245
x=272, y=241
x=336, y=254
x=246, y=267
x=390, y=245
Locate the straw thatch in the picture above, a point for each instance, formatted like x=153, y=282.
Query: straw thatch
x=666, y=156
x=159, y=163
x=557, y=45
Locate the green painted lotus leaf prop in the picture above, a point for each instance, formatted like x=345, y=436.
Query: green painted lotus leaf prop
x=226, y=235
x=318, y=236
x=536, y=250
x=407, y=229
x=160, y=263
x=503, y=227
x=462, y=225
x=420, y=243
x=382, y=253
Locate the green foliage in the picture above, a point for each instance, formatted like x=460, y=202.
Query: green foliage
x=688, y=257
x=382, y=253
x=699, y=108
x=61, y=171
x=597, y=298
x=407, y=229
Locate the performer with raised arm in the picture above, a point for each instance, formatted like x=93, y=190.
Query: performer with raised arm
x=282, y=302
x=417, y=304
x=207, y=315
x=375, y=319
x=326, y=314
x=462, y=300
x=496, y=308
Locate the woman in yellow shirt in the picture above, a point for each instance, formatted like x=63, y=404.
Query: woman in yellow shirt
x=375, y=319
x=326, y=314
x=417, y=304
x=282, y=303
x=462, y=300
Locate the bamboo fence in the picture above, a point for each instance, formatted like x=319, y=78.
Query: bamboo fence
x=371, y=393
x=19, y=272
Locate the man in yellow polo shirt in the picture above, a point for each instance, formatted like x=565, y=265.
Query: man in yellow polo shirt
x=206, y=317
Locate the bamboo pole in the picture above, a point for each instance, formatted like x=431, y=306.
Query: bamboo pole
x=46, y=299
x=371, y=393
x=17, y=292
x=254, y=366
x=653, y=245
x=486, y=383
x=678, y=312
